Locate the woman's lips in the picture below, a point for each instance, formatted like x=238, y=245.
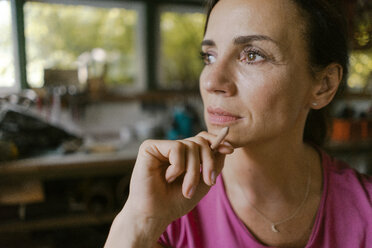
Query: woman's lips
x=219, y=116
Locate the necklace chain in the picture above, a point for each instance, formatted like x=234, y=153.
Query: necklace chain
x=275, y=224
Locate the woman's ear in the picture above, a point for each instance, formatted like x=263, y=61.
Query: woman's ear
x=326, y=87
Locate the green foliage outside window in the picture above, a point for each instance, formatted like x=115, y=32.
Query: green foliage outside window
x=360, y=70
x=181, y=36
x=56, y=35
x=360, y=79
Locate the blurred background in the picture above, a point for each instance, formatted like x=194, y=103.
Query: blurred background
x=84, y=82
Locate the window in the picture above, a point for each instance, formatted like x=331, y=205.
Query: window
x=181, y=35
x=99, y=42
x=7, y=73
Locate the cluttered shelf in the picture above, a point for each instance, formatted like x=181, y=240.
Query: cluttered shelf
x=71, y=165
x=57, y=222
x=145, y=96
x=84, y=98
x=351, y=130
x=357, y=96
x=352, y=146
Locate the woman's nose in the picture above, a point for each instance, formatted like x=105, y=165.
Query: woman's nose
x=218, y=78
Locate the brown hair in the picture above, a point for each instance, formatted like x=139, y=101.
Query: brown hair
x=327, y=41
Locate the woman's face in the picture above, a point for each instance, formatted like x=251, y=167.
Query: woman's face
x=256, y=78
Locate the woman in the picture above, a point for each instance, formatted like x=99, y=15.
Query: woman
x=269, y=67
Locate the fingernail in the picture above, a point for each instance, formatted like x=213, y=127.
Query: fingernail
x=213, y=177
x=171, y=179
x=228, y=144
x=191, y=192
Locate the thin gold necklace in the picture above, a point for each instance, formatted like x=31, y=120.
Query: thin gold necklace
x=275, y=224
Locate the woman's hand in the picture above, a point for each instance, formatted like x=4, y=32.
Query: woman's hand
x=169, y=179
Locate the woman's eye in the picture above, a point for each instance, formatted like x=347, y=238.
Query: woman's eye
x=252, y=56
x=207, y=58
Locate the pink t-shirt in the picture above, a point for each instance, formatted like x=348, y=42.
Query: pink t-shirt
x=344, y=218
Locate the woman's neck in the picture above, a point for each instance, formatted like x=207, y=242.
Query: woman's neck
x=269, y=176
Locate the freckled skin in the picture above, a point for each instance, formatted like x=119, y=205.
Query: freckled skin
x=271, y=96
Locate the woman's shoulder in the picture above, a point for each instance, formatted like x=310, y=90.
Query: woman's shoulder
x=343, y=173
x=346, y=186
x=344, y=176
x=344, y=218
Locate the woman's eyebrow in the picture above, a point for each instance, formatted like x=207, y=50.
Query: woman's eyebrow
x=243, y=40
x=249, y=38
x=208, y=43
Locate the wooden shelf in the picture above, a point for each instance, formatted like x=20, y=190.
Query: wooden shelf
x=68, y=221
x=355, y=96
x=72, y=166
x=352, y=146
x=61, y=167
x=148, y=96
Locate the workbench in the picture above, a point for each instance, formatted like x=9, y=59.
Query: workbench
x=51, y=169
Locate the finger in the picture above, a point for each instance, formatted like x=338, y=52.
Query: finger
x=224, y=147
x=220, y=137
x=219, y=154
x=192, y=175
x=155, y=153
x=206, y=160
x=177, y=165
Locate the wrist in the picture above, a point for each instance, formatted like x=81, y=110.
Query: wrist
x=130, y=230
